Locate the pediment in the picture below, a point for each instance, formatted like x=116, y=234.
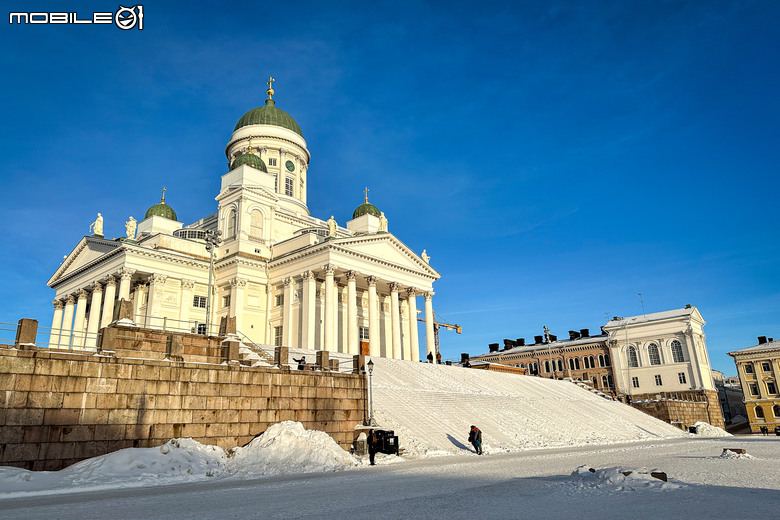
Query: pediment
x=86, y=251
x=385, y=248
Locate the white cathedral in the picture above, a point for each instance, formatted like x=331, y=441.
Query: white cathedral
x=288, y=278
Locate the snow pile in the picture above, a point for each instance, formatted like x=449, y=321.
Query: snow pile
x=619, y=479
x=707, y=430
x=287, y=448
x=430, y=408
x=727, y=454
x=284, y=448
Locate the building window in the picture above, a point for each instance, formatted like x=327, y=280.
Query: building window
x=635, y=382
x=560, y=365
x=279, y=299
x=226, y=301
x=753, y=388
x=776, y=410
x=571, y=363
x=652, y=352
x=771, y=388
x=633, y=361
x=677, y=352
x=364, y=333
x=681, y=378
x=202, y=329
x=288, y=186
x=231, y=224
x=658, y=381
x=766, y=366
x=256, y=224
x=759, y=412
x=199, y=301
x=604, y=382
x=547, y=366
x=278, y=336
x=271, y=161
x=607, y=360
x=748, y=368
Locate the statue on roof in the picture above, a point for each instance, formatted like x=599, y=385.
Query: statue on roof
x=130, y=227
x=331, y=226
x=425, y=257
x=382, y=221
x=97, y=226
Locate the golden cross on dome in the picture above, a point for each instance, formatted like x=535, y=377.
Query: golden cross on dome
x=365, y=193
x=163, y=196
x=270, y=84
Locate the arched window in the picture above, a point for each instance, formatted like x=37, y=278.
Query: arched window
x=560, y=365
x=607, y=360
x=601, y=360
x=577, y=363
x=677, y=352
x=776, y=410
x=759, y=412
x=652, y=352
x=256, y=224
x=595, y=382
x=231, y=224
x=604, y=382
x=592, y=362
x=547, y=366
x=571, y=363
x=633, y=362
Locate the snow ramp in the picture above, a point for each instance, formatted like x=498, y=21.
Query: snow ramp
x=431, y=408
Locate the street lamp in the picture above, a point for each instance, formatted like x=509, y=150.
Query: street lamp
x=371, y=421
x=213, y=239
x=549, y=352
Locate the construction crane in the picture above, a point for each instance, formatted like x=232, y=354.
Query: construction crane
x=439, y=322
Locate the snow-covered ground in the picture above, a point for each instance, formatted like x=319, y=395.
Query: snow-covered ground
x=542, y=438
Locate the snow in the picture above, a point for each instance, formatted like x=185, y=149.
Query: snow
x=707, y=430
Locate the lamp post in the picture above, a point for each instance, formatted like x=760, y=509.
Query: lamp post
x=213, y=239
x=371, y=421
x=549, y=351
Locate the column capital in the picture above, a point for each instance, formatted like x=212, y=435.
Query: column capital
x=308, y=275
x=125, y=273
x=187, y=284
x=58, y=304
x=81, y=293
x=96, y=287
x=371, y=281
x=329, y=268
x=395, y=286
x=412, y=292
x=110, y=280
x=238, y=282
x=157, y=279
x=352, y=276
x=428, y=295
x=287, y=281
x=70, y=300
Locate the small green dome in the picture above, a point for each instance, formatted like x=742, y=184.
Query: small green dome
x=161, y=209
x=269, y=115
x=249, y=159
x=366, y=209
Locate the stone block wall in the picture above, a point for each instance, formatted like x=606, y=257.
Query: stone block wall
x=682, y=410
x=59, y=407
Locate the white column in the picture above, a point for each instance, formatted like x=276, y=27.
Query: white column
x=185, y=305
x=138, y=297
x=78, y=320
x=395, y=323
x=353, y=341
x=125, y=275
x=430, y=342
x=56, y=324
x=238, y=286
x=67, y=322
x=154, y=302
x=373, y=318
x=414, y=344
x=109, y=296
x=94, y=315
x=287, y=312
x=309, y=303
x=329, y=307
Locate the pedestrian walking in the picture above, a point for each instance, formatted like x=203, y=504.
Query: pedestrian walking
x=475, y=438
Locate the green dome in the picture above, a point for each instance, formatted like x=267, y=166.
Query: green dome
x=161, y=209
x=269, y=115
x=366, y=209
x=249, y=159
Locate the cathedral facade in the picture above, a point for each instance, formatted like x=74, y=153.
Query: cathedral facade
x=287, y=277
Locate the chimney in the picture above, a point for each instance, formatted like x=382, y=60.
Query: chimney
x=537, y=340
x=585, y=333
x=493, y=347
x=761, y=340
x=520, y=342
x=508, y=343
x=771, y=340
x=464, y=357
x=553, y=337
x=573, y=334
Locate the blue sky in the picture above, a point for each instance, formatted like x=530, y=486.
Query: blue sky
x=554, y=158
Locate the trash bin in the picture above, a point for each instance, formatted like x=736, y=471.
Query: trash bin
x=360, y=446
x=387, y=442
x=693, y=429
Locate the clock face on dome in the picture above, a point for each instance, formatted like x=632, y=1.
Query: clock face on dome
x=290, y=166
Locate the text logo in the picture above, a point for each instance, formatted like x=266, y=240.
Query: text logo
x=125, y=18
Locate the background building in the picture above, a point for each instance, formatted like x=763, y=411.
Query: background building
x=758, y=367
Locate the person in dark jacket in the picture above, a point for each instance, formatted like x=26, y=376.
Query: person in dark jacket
x=475, y=438
x=430, y=357
x=372, y=446
x=301, y=362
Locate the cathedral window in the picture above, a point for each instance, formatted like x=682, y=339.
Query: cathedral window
x=279, y=299
x=271, y=161
x=658, y=381
x=633, y=361
x=681, y=378
x=677, y=353
x=199, y=301
x=226, y=301
x=231, y=224
x=256, y=224
x=635, y=382
x=288, y=186
x=652, y=352
x=364, y=333
x=278, y=336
